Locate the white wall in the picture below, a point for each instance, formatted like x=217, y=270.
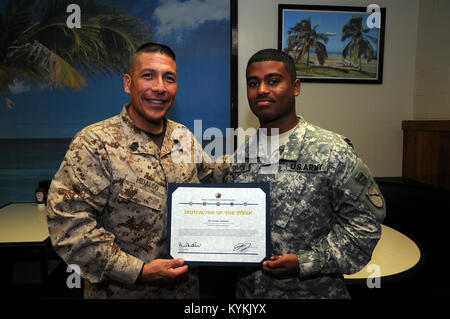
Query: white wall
x=432, y=94
x=369, y=114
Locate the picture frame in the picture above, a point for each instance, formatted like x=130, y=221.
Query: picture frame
x=334, y=44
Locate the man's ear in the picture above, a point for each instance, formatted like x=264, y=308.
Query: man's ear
x=297, y=87
x=127, y=83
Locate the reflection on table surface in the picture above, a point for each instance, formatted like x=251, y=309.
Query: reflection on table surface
x=23, y=223
x=394, y=253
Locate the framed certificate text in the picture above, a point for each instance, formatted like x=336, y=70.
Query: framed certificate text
x=219, y=224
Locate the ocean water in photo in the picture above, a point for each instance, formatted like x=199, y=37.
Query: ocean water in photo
x=26, y=162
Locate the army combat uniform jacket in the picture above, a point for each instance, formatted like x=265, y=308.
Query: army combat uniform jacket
x=107, y=205
x=325, y=208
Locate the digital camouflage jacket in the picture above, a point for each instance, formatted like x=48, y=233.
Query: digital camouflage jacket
x=325, y=207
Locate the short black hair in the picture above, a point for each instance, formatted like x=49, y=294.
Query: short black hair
x=275, y=55
x=151, y=47
x=156, y=47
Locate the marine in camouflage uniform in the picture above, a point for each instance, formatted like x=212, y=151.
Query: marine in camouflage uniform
x=107, y=205
x=325, y=207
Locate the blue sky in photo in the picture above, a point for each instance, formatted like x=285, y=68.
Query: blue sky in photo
x=329, y=22
x=199, y=33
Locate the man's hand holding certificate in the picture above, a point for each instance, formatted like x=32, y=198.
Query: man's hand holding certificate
x=219, y=224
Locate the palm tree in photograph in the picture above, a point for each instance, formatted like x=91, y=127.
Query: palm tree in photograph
x=38, y=48
x=359, y=44
x=302, y=38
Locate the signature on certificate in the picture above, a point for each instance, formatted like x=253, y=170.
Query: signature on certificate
x=242, y=246
x=186, y=244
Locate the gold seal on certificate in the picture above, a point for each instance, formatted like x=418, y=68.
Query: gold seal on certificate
x=219, y=224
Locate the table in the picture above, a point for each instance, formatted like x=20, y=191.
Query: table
x=395, y=253
x=23, y=223
x=24, y=236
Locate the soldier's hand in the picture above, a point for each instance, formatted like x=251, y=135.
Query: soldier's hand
x=282, y=267
x=162, y=272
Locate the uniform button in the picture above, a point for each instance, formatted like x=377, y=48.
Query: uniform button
x=134, y=146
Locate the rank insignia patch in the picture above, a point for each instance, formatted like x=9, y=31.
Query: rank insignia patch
x=374, y=196
x=361, y=178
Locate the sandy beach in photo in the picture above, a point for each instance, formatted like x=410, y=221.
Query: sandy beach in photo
x=334, y=66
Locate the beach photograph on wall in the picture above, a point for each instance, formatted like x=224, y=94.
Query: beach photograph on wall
x=333, y=43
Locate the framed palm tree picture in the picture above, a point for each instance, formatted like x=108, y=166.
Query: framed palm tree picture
x=333, y=43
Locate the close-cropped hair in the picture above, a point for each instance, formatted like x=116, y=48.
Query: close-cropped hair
x=275, y=55
x=150, y=47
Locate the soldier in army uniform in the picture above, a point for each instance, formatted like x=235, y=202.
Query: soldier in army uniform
x=326, y=208
x=107, y=202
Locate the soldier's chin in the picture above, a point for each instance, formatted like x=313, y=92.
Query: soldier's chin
x=264, y=117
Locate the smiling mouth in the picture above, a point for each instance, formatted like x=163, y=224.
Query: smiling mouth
x=152, y=101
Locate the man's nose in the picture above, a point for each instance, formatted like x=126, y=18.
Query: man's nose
x=158, y=85
x=263, y=89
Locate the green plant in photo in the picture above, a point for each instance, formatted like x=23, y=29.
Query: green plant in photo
x=359, y=44
x=302, y=38
x=38, y=48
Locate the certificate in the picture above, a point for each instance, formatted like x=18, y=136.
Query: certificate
x=219, y=224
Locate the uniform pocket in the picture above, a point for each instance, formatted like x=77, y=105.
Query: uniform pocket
x=89, y=173
x=139, y=219
x=285, y=196
x=137, y=194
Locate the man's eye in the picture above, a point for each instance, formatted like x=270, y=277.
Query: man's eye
x=171, y=79
x=274, y=81
x=252, y=84
x=147, y=75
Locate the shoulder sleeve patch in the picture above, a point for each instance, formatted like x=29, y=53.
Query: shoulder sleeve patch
x=357, y=181
x=374, y=196
x=362, y=187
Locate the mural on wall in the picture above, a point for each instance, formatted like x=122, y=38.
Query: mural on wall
x=61, y=69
